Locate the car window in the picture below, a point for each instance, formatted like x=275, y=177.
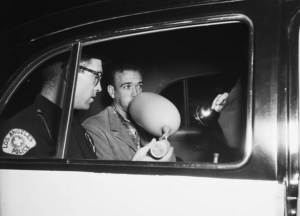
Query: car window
x=200, y=91
x=189, y=66
x=219, y=69
x=203, y=90
x=197, y=142
x=20, y=133
x=175, y=93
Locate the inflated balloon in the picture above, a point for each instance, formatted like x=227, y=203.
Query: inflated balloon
x=155, y=114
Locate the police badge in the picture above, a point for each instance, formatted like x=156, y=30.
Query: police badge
x=18, y=142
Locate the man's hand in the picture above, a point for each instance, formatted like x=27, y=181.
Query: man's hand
x=141, y=154
x=219, y=102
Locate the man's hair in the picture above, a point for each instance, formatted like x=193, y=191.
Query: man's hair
x=119, y=68
x=52, y=70
x=50, y=75
x=86, y=58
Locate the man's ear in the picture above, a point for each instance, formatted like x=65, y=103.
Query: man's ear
x=111, y=91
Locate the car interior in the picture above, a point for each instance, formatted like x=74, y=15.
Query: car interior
x=188, y=66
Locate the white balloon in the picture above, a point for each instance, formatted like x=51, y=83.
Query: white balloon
x=155, y=114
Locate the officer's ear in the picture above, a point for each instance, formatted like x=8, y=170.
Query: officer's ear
x=111, y=91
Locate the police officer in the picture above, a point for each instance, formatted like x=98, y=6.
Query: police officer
x=33, y=131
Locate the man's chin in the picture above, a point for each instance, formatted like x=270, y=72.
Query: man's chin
x=84, y=107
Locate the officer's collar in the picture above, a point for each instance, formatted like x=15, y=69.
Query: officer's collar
x=47, y=106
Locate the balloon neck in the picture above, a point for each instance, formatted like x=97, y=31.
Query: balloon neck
x=166, y=133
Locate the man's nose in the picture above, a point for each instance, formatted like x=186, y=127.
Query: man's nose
x=135, y=91
x=98, y=87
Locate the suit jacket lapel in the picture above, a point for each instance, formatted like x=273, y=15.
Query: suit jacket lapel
x=119, y=129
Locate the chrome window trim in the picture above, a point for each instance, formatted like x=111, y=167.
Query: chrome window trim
x=175, y=7
x=67, y=111
x=293, y=91
x=167, y=26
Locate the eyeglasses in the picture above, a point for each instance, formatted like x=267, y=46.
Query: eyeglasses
x=97, y=74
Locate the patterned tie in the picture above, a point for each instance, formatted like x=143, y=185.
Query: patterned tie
x=129, y=128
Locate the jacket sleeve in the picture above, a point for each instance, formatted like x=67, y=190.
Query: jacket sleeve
x=233, y=116
x=103, y=148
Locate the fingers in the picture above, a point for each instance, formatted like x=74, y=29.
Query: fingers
x=222, y=99
x=214, y=103
x=141, y=154
x=147, y=147
x=166, y=130
x=151, y=143
x=219, y=102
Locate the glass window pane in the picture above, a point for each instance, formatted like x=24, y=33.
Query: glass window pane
x=203, y=90
x=190, y=67
x=30, y=120
x=174, y=93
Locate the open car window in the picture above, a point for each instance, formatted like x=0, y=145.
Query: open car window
x=29, y=123
x=198, y=141
x=189, y=65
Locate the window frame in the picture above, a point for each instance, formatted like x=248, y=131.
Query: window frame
x=293, y=154
x=76, y=47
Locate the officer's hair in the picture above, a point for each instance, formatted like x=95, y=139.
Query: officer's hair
x=51, y=73
x=86, y=59
x=119, y=68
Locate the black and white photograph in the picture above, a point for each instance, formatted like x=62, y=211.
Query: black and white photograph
x=149, y=107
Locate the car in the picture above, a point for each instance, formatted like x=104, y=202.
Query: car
x=189, y=52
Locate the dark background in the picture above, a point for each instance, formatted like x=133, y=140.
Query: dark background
x=17, y=12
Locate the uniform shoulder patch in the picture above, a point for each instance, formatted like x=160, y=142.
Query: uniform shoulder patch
x=18, y=142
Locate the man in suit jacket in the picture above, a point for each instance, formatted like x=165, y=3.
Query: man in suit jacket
x=115, y=134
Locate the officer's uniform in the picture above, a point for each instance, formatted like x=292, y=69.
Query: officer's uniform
x=33, y=133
